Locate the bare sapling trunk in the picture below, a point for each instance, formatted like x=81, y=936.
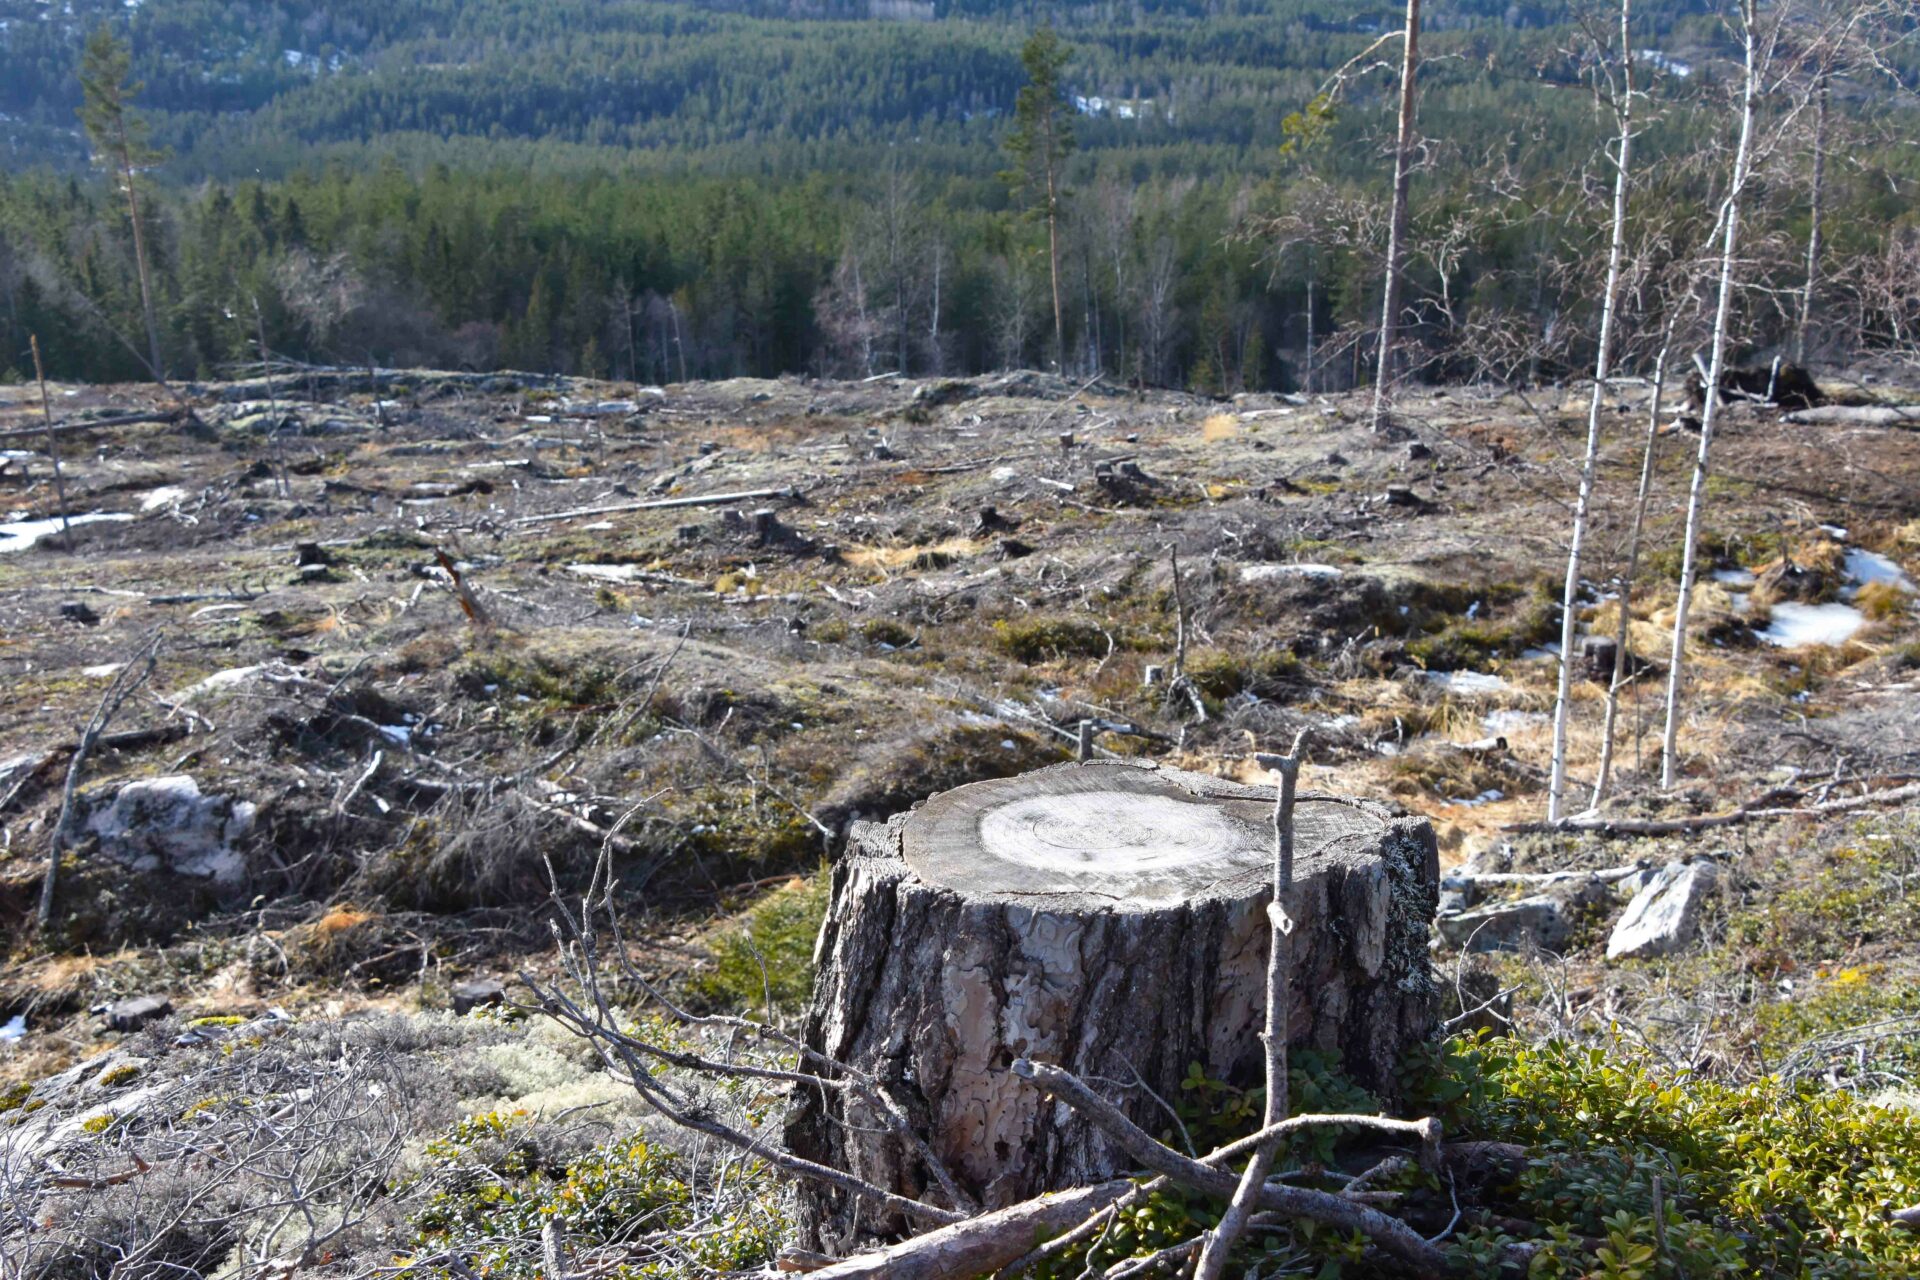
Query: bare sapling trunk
x=125, y=684
x=53, y=446
x=1397, y=222
x=140, y=258
x=1697, y=492
x=1218, y=1244
x=1814, y=211
x=1603, y=776
x=1053, y=255
x=1603, y=359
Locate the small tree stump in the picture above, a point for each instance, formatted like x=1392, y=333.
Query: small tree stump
x=1108, y=917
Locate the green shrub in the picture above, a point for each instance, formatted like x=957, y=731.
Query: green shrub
x=768, y=956
x=1044, y=639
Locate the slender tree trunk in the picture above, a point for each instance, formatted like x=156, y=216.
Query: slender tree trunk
x=1397, y=223
x=1603, y=359
x=1306, y=381
x=1813, y=225
x=1603, y=777
x=140, y=260
x=933, y=329
x=53, y=446
x=1696, y=496
x=1053, y=259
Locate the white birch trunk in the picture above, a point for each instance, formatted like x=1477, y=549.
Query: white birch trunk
x=1397, y=222
x=1603, y=359
x=1603, y=776
x=1696, y=496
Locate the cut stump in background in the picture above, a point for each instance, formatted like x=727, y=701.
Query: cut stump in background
x=1110, y=918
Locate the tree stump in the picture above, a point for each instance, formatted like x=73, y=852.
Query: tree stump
x=1108, y=917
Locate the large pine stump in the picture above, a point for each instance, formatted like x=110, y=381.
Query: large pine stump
x=1109, y=918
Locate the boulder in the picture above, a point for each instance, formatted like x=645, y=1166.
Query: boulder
x=166, y=824
x=1664, y=916
x=470, y=995
x=136, y=1012
x=1538, y=920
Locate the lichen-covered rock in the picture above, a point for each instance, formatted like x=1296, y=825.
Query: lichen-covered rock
x=1538, y=920
x=166, y=824
x=1664, y=915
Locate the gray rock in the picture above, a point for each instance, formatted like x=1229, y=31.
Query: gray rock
x=137, y=1012
x=1664, y=916
x=165, y=824
x=1540, y=920
x=471, y=995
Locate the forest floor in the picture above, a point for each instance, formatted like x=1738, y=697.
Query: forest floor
x=926, y=582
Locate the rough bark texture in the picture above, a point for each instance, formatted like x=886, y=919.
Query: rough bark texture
x=1108, y=917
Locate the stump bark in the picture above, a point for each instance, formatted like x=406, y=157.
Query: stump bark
x=1108, y=917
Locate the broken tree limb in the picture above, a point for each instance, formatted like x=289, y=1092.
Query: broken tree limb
x=1393, y=1237
x=1708, y=821
x=980, y=1245
x=1856, y=415
x=160, y=417
x=791, y=492
x=129, y=679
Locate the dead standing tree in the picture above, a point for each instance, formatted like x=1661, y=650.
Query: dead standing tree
x=1397, y=222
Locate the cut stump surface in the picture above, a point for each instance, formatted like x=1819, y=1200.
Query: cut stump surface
x=1109, y=917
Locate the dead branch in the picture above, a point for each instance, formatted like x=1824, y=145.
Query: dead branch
x=1751, y=812
x=1393, y=1237
x=662, y=504
x=125, y=683
x=983, y=1244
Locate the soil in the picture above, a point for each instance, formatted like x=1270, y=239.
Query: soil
x=444, y=694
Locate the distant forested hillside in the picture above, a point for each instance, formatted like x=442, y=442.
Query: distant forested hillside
x=663, y=191
x=238, y=88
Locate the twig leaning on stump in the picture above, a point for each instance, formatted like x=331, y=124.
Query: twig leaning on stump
x=1218, y=1244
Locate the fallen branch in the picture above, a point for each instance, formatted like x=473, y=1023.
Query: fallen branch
x=129, y=679
x=1846, y=415
x=979, y=1245
x=1393, y=1237
x=120, y=420
x=1750, y=812
x=661, y=504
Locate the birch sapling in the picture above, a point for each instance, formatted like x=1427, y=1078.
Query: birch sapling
x=1583, y=505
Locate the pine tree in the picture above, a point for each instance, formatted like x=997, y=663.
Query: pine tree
x=118, y=135
x=1041, y=140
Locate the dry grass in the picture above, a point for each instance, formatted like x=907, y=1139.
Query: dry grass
x=1218, y=427
x=894, y=558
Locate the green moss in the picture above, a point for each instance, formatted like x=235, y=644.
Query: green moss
x=1043, y=639
x=119, y=1075
x=99, y=1124
x=886, y=631
x=768, y=957
x=1221, y=674
x=14, y=1095
x=218, y=1020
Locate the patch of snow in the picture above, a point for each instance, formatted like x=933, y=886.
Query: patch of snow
x=400, y=735
x=105, y=671
x=154, y=499
x=1465, y=681
x=597, y=525
x=1795, y=625
x=1733, y=577
x=219, y=680
x=1833, y=531
x=1865, y=566
x=1499, y=722
x=1485, y=797
x=15, y=1028
x=1537, y=652
x=22, y=534
x=606, y=572
x=1269, y=572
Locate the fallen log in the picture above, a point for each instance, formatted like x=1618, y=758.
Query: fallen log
x=662, y=504
x=1709, y=821
x=1856, y=415
x=979, y=1245
x=158, y=417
